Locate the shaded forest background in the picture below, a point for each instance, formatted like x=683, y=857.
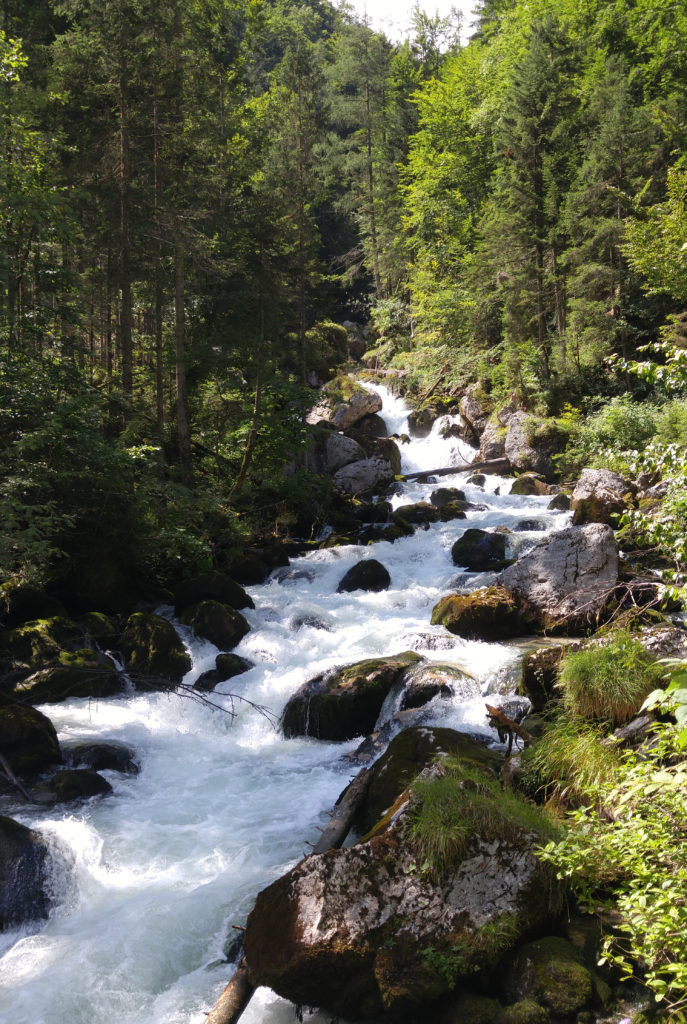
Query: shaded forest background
x=195, y=195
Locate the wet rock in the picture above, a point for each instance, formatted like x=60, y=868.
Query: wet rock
x=291, y=576
x=453, y=510
x=403, y=760
x=468, y=1008
x=340, y=451
x=367, y=430
x=479, y=551
x=78, y=784
x=446, y=495
x=364, y=477
x=518, y=446
x=152, y=646
x=211, y=586
x=116, y=757
x=366, y=575
x=28, y=740
x=421, y=421
x=559, y=503
x=549, y=972
x=82, y=674
x=529, y=526
x=600, y=496
x=373, y=512
x=222, y=625
x=487, y=614
x=564, y=583
x=477, y=480
x=24, y=875
x=344, y=703
x=386, y=449
x=427, y=680
x=421, y=513
x=473, y=411
x=529, y=483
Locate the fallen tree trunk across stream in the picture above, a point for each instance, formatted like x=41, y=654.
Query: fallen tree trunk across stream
x=491, y=466
x=238, y=993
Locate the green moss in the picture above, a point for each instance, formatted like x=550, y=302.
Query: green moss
x=99, y=626
x=151, y=645
x=40, y=641
x=471, y=1009
x=526, y=1011
x=486, y=614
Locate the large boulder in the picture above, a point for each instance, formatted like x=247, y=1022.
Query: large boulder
x=530, y=484
x=28, y=740
x=489, y=614
x=428, y=679
x=219, y=623
x=492, y=442
x=472, y=411
x=565, y=582
x=386, y=448
x=600, y=496
x=152, y=646
x=343, y=403
x=24, y=875
x=41, y=641
x=376, y=929
x=519, y=450
x=366, y=575
x=345, y=702
x=341, y=451
x=446, y=496
x=211, y=586
x=364, y=477
x=479, y=551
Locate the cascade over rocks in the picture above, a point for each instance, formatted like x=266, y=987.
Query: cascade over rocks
x=565, y=582
x=151, y=645
x=600, y=496
x=24, y=875
x=345, y=702
x=219, y=623
x=366, y=575
x=479, y=551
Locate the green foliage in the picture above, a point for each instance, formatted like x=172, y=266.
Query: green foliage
x=673, y=698
x=631, y=861
x=656, y=245
x=485, y=944
x=609, y=681
x=457, y=804
x=619, y=425
x=570, y=762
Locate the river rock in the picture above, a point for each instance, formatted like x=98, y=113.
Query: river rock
x=115, y=757
x=78, y=784
x=479, y=551
x=548, y=971
x=213, y=586
x=428, y=679
x=343, y=403
x=368, y=430
x=559, y=503
x=364, y=477
x=386, y=448
x=564, y=583
x=472, y=411
x=84, y=675
x=488, y=614
x=421, y=513
x=453, y=510
x=41, y=641
x=366, y=575
x=349, y=930
x=28, y=740
x=519, y=450
x=152, y=646
x=600, y=496
x=345, y=702
x=249, y=567
x=24, y=875
x=529, y=483
x=446, y=495
x=222, y=625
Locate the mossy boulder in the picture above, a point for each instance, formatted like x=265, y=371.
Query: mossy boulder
x=530, y=484
x=467, y=1008
x=421, y=513
x=80, y=673
x=28, y=740
x=549, y=972
x=214, y=586
x=421, y=421
x=246, y=567
x=526, y=1011
x=387, y=449
x=41, y=641
x=24, y=875
x=97, y=756
x=345, y=702
x=444, y=495
x=452, y=510
x=490, y=613
x=219, y=623
x=152, y=646
x=366, y=575
x=480, y=551
x=405, y=757
x=99, y=626
x=78, y=784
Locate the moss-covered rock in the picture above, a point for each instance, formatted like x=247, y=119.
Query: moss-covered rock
x=526, y=1011
x=152, y=646
x=80, y=674
x=28, y=740
x=405, y=757
x=530, y=484
x=99, y=626
x=486, y=614
x=421, y=513
x=387, y=449
x=41, y=641
x=452, y=510
x=78, y=784
x=549, y=972
x=480, y=551
x=444, y=495
x=559, y=503
x=24, y=875
x=219, y=623
x=344, y=703
x=214, y=586
x=246, y=567
x=467, y=1008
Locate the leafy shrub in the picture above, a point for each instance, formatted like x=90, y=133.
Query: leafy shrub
x=608, y=682
x=620, y=425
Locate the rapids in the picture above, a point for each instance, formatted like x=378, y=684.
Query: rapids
x=152, y=879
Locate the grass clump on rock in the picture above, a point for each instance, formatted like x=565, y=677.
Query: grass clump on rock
x=570, y=762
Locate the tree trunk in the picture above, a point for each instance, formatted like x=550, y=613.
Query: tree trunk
x=126, y=312
x=183, y=429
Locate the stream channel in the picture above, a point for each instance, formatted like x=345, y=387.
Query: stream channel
x=154, y=876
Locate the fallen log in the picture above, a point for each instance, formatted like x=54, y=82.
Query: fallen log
x=508, y=727
x=238, y=993
x=491, y=466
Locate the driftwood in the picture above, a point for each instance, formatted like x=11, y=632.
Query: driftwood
x=239, y=991
x=492, y=466
x=508, y=727
x=11, y=777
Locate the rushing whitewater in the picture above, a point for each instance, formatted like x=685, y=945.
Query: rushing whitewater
x=152, y=879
